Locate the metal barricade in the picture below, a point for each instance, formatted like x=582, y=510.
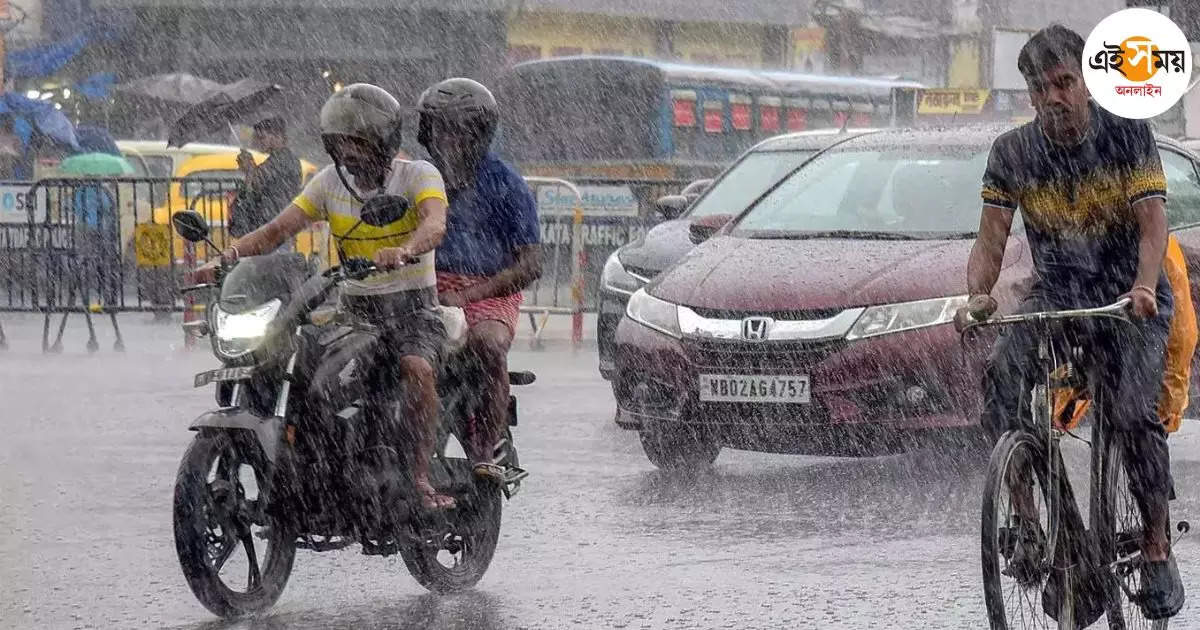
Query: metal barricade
x=582, y=222
x=103, y=246
x=576, y=262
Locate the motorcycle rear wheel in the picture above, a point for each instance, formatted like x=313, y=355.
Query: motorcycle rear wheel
x=215, y=518
x=460, y=558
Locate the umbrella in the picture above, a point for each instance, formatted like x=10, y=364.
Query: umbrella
x=95, y=139
x=95, y=165
x=175, y=87
x=228, y=105
x=30, y=115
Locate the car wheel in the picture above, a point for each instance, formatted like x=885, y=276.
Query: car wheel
x=677, y=447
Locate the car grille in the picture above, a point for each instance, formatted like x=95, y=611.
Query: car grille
x=641, y=272
x=792, y=315
x=759, y=358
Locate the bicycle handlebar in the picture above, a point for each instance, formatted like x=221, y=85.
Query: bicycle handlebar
x=1117, y=310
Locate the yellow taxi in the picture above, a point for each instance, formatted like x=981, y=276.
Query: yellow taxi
x=205, y=183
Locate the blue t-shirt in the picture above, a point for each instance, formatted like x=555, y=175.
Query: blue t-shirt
x=488, y=222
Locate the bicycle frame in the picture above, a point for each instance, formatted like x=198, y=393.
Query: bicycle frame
x=1063, y=513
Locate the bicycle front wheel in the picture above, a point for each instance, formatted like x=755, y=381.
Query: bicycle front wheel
x=1117, y=523
x=1018, y=530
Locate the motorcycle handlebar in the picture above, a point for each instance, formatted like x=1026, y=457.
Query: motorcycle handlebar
x=357, y=268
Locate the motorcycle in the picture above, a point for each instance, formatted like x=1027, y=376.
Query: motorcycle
x=298, y=454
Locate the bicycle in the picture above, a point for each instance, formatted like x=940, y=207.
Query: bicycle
x=1044, y=557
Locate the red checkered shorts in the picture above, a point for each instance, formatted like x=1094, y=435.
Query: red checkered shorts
x=501, y=309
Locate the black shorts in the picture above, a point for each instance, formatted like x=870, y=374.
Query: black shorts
x=409, y=328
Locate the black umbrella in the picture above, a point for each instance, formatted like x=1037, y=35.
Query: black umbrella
x=224, y=106
x=176, y=87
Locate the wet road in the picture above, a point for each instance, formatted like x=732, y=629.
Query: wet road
x=598, y=539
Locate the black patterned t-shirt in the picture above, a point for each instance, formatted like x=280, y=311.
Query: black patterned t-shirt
x=1077, y=203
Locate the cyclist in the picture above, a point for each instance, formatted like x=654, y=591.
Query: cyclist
x=490, y=252
x=360, y=127
x=1092, y=194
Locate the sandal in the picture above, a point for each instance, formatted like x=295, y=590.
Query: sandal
x=490, y=472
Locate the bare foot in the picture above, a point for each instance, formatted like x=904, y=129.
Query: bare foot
x=431, y=499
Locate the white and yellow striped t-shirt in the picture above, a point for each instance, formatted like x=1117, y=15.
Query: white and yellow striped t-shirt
x=326, y=199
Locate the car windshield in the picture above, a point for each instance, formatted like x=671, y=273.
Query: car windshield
x=895, y=193
x=747, y=181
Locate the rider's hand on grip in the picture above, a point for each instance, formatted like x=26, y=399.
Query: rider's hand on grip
x=1142, y=302
x=204, y=274
x=978, y=309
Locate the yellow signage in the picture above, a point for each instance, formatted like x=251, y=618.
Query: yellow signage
x=952, y=101
x=152, y=244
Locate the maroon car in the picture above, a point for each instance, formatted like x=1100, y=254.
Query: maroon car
x=818, y=320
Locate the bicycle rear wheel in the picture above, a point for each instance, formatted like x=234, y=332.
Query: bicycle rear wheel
x=1117, y=523
x=1018, y=532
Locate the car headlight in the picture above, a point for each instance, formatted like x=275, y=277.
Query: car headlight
x=238, y=334
x=890, y=318
x=616, y=278
x=653, y=313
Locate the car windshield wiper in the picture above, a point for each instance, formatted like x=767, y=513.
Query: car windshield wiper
x=867, y=235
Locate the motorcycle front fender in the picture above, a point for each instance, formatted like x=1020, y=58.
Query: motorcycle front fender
x=267, y=431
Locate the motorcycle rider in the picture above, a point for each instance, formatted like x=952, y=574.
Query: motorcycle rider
x=491, y=251
x=360, y=127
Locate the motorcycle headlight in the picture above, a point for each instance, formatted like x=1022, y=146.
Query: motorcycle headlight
x=891, y=318
x=616, y=278
x=238, y=334
x=653, y=313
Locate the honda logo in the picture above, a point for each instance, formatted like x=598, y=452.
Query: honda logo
x=756, y=328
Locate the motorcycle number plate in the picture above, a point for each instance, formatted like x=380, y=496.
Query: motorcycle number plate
x=223, y=374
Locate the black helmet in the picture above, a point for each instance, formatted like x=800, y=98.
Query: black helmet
x=458, y=119
x=366, y=112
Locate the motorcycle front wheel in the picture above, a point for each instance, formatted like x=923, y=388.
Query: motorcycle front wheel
x=234, y=560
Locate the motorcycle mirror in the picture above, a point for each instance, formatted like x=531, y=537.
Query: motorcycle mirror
x=384, y=209
x=190, y=226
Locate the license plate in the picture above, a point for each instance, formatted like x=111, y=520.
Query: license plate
x=223, y=374
x=758, y=389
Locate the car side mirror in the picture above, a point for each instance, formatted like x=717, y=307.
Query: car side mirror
x=671, y=206
x=703, y=228
x=190, y=226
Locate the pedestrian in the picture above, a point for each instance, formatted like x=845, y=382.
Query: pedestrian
x=268, y=187
x=96, y=242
